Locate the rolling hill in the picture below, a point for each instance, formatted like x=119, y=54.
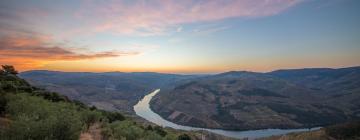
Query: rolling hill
x=279, y=99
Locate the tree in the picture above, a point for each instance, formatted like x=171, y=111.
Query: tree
x=8, y=69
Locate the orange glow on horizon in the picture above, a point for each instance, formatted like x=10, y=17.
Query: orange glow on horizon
x=88, y=66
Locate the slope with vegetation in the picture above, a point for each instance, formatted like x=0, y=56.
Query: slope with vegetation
x=279, y=99
x=27, y=112
x=344, y=131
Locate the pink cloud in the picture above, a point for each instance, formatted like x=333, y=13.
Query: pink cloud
x=28, y=52
x=154, y=17
x=38, y=48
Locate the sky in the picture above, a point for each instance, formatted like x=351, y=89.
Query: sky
x=173, y=36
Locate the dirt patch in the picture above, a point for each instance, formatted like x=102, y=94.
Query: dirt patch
x=94, y=133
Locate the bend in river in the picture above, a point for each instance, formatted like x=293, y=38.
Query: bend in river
x=142, y=109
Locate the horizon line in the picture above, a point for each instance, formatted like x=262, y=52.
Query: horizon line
x=195, y=73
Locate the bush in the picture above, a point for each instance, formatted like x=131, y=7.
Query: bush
x=79, y=104
x=159, y=130
x=113, y=116
x=149, y=127
x=52, y=96
x=89, y=117
x=126, y=129
x=11, y=83
x=36, y=118
x=9, y=87
x=119, y=130
x=93, y=108
x=184, y=137
x=170, y=136
x=153, y=136
x=3, y=103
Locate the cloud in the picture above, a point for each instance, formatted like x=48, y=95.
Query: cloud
x=134, y=17
x=145, y=17
x=35, y=51
x=36, y=48
x=179, y=29
x=209, y=30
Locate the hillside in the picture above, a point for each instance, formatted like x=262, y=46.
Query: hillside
x=279, y=99
x=113, y=91
x=327, y=81
x=345, y=131
x=28, y=112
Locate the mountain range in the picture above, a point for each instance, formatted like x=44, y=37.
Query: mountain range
x=237, y=100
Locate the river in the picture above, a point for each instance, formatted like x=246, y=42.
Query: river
x=142, y=109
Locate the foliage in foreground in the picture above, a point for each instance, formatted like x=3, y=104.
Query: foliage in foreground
x=36, y=118
x=129, y=131
x=346, y=131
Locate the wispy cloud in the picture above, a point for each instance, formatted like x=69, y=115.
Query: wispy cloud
x=143, y=17
x=209, y=30
x=34, y=51
x=138, y=17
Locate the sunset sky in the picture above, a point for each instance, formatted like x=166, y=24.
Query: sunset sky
x=179, y=36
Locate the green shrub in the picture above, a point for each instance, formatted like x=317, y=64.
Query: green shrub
x=79, y=104
x=93, y=108
x=89, y=117
x=159, y=130
x=119, y=130
x=9, y=87
x=153, y=136
x=126, y=129
x=113, y=116
x=3, y=102
x=170, y=136
x=184, y=137
x=51, y=96
x=36, y=118
x=149, y=127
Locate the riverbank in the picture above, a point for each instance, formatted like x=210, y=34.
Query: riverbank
x=142, y=109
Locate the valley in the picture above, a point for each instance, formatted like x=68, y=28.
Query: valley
x=179, y=70
x=142, y=109
x=113, y=91
x=228, y=103
x=280, y=99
